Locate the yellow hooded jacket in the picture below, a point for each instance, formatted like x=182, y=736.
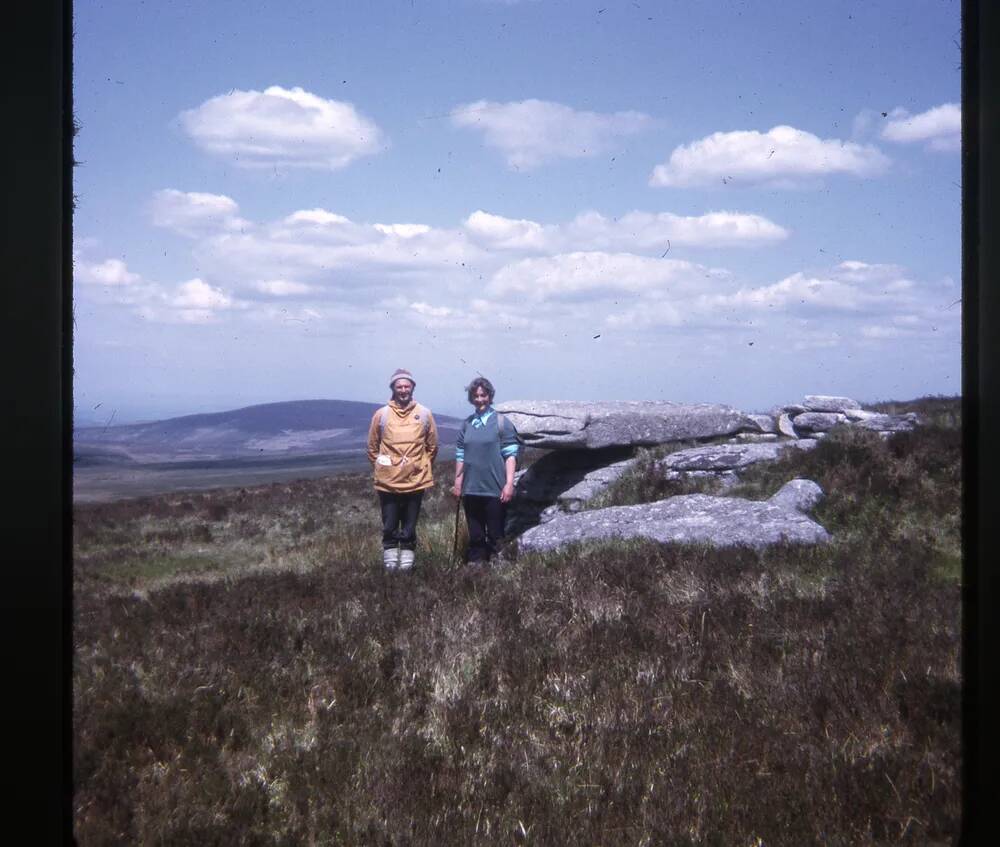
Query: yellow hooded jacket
x=402, y=451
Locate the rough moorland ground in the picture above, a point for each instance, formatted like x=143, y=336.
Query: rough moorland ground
x=245, y=672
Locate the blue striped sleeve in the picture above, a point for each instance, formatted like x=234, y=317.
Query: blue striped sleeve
x=459, y=454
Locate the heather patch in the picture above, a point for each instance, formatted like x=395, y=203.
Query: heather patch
x=263, y=680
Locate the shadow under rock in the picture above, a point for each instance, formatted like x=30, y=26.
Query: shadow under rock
x=548, y=477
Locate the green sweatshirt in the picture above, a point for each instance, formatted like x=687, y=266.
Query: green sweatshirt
x=480, y=447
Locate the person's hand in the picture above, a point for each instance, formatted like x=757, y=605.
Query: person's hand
x=507, y=494
x=456, y=489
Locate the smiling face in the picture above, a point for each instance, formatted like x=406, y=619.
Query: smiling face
x=402, y=392
x=480, y=399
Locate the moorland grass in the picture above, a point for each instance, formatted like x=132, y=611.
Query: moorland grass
x=291, y=691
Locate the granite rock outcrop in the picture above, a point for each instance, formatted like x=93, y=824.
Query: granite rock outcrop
x=692, y=518
x=592, y=445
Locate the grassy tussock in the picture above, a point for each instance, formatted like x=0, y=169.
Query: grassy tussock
x=283, y=689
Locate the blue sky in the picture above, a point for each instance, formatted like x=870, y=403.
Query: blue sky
x=712, y=202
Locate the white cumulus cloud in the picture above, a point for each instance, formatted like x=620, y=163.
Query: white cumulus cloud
x=586, y=275
x=402, y=230
x=782, y=157
x=496, y=231
x=661, y=313
x=317, y=217
x=110, y=272
x=647, y=230
x=806, y=309
x=283, y=128
x=850, y=287
x=198, y=294
x=800, y=290
x=282, y=287
x=634, y=231
x=940, y=128
x=193, y=213
x=864, y=272
x=531, y=132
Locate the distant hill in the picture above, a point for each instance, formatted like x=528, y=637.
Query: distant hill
x=269, y=431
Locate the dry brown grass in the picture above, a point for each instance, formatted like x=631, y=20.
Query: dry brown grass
x=246, y=673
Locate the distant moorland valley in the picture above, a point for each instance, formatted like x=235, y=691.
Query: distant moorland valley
x=246, y=671
x=272, y=442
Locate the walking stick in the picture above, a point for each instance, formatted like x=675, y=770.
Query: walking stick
x=454, y=546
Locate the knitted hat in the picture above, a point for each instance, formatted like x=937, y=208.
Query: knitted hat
x=401, y=373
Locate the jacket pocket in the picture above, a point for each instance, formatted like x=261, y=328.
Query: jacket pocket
x=399, y=476
x=385, y=474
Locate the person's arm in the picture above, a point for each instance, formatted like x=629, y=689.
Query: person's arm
x=507, y=494
x=431, y=437
x=456, y=489
x=374, y=437
x=509, y=448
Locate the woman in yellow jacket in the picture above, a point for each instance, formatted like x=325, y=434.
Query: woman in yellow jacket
x=402, y=445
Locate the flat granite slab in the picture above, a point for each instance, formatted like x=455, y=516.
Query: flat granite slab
x=571, y=424
x=724, y=457
x=692, y=518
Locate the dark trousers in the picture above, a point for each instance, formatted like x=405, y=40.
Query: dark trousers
x=399, y=519
x=485, y=517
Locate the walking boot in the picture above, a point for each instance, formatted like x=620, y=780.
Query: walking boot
x=390, y=558
x=406, y=558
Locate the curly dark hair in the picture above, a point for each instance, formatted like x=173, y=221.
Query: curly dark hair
x=480, y=382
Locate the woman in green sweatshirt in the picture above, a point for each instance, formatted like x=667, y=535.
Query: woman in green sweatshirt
x=485, y=459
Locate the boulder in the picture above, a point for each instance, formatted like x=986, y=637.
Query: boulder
x=766, y=423
x=889, y=423
x=829, y=403
x=571, y=424
x=725, y=479
x=818, y=421
x=727, y=457
x=801, y=495
x=881, y=421
x=692, y=518
x=785, y=425
x=548, y=513
x=592, y=484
